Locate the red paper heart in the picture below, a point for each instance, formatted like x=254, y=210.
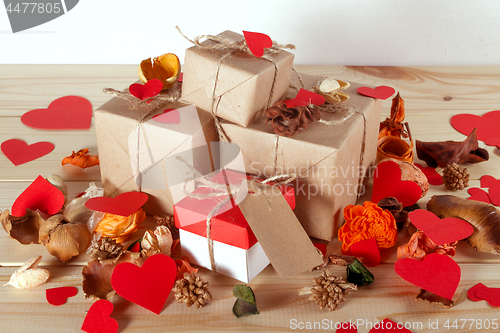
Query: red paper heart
x=147, y=286
x=345, y=327
x=180, y=78
x=257, y=41
x=59, y=296
x=431, y=174
x=437, y=273
x=65, y=113
x=471, y=292
x=124, y=204
x=304, y=98
x=321, y=247
x=487, y=125
x=368, y=250
x=380, y=92
x=97, y=319
x=493, y=141
x=440, y=231
x=19, y=152
x=387, y=183
x=40, y=195
x=169, y=116
x=490, y=295
x=493, y=186
x=147, y=90
x=478, y=194
x=388, y=325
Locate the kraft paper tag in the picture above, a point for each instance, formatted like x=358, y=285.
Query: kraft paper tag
x=278, y=231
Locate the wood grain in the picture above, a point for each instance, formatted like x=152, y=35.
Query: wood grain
x=432, y=95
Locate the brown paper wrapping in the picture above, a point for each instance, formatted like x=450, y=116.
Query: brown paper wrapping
x=114, y=122
x=243, y=84
x=326, y=158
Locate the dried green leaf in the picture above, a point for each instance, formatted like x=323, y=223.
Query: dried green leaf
x=358, y=274
x=245, y=303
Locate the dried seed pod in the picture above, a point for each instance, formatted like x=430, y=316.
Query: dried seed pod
x=28, y=275
x=329, y=89
x=455, y=177
x=25, y=228
x=192, y=290
x=105, y=248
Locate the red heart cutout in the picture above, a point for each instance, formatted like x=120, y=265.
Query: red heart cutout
x=19, y=152
x=487, y=125
x=431, y=174
x=387, y=183
x=321, y=248
x=304, y=98
x=169, y=116
x=478, y=194
x=368, y=250
x=124, y=204
x=388, y=325
x=40, y=195
x=59, y=296
x=493, y=186
x=490, y=295
x=345, y=327
x=437, y=273
x=465, y=123
x=489, y=181
x=493, y=142
x=147, y=90
x=147, y=286
x=257, y=41
x=380, y=92
x=471, y=292
x=65, y=113
x=440, y=231
x=97, y=319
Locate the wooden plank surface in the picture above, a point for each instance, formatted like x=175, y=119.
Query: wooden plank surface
x=432, y=95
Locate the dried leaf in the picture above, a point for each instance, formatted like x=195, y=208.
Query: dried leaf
x=28, y=276
x=444, y=153
x=432, y=298
x=393, y=126
x=245, y=303
x=358, y=274
x=25, y=228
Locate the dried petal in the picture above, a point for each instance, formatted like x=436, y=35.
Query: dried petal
x=393, y=126
x=25, y=228
x=329, y=89
x=28, y=276
x=81, y=159
x=120, y=227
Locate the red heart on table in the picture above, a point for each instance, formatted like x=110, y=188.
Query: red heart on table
x=97, y=319
x=493, y=186
x=124, y=204
x=440, y=231
x=437, y=273
x=147, y=286
x=490, y=295
x=431, y=174
x=257, y=41
x=478, y=194
x=169, y=116
x=487, y=125
x=388, y=325
x=147, y=90
x=387, y=183
x=19, y=152
x=59, y=296
x=40, y=195
x=65, y=113
x=493, y=141
x=368, y=250
x=380, y=92
x=471, y=292
x=304, y=98
x=345, y=327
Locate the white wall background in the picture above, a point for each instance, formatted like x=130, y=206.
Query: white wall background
x=333, y=32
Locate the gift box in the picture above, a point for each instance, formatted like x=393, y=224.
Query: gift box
x=243, y=83
x=236, y=249
x=331, y=161
x=133, y=152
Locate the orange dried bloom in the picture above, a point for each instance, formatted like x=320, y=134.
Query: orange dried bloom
x=420, y=245
x=82, y=159
x=120, y=227
x=366, y=222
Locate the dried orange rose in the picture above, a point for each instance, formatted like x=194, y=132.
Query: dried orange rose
x=165, y=68
x=120, y=227
x=366, y=222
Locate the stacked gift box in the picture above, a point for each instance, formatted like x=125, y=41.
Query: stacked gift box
x=225, y=94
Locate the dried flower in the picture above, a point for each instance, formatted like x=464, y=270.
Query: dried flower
x=25, y=228
x=289, y=121
x=329, y=89
x=393, y=126
x=120, y=227
x=455, y=177
x=420, y=245
x=169, y=222
x=165, y=68
x=366, y=222
x=192, y=290
x=81, y=159
x=105, y=248
x=159, y=241
x=396, y=209
x=28, y=275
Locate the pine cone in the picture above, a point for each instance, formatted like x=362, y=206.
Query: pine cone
x=192, y=290
x=455, y=177
x=288, y=121
x=105, y=248
x=168, y=222
x=329, y=290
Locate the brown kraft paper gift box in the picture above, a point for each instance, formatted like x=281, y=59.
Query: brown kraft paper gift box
x=243, y=81
x=330, y=160
x=115, y=125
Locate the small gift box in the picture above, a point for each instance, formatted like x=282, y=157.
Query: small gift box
x=235, y=247
x=331, y=160
x=135, y=143
x=235, y=85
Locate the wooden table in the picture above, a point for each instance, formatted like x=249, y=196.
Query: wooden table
x=432, y=95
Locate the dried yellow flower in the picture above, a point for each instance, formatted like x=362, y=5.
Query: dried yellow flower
x=120, y=227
